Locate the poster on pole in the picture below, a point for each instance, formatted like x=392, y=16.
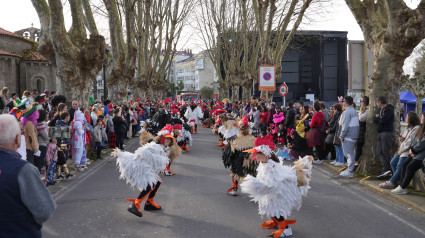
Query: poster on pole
x=267, y=78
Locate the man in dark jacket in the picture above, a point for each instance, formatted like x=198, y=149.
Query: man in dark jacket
x=290, y=118
x=25, y=202
x=120, y=127
x=385, y=120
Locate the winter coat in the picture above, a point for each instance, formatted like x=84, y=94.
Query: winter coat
x=349, y=124
x=418, y=148
x=42, y=134
x=334, y=122
x=409, y=136
x=51, y=152
x=362, y=123
x=317, y=120
x=290, y=118
x=386, y=119
x=110, y=125
x=256, y=116
x=97, y=132
x=31, y=139
x=263, y=117
x=119, y=124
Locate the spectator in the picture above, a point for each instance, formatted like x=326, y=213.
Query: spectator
x=106, y=108
x=385, y=120
x=299, y=147
x=134, y=121
x=43, y=139
x=290, y=118
x=414, y=161
x=98, y=138
x=78, y=140
x=93, y=116
x=61, y=108
x=119, y=127
x=325, y=110
x=4, y=100
x=29, y=121
x=333, y=130
x=364, y=110
x=413, y=124
x=112, y=139
x=73, y=109
x=51, y=160
x=348, y=134
x=25, y=203
x=317, y=134
x=256, y=116
x=63, y=152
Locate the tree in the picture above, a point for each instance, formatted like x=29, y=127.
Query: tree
x=415, y=84
x=159, y=26
x=206, y=92
x=272, y=18
x=391, y=30
x=76, y=58
x=124, y=51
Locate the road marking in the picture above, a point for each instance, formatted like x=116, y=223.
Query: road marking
x=60, y=193
x=374, y=204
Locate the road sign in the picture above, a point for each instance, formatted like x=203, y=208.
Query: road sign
x=267, y=78
x=283, y=90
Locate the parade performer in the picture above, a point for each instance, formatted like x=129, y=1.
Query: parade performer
x=230, y=132
x=239, y=162
x=78, y=139
x=222, y=128
x=277, y=189
x=141, y=168
x=183, y=137
x=193, y=114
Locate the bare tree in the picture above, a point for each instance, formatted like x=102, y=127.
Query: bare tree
x=77, y=59
x=273, y=18
x=124, y=51
x=159, y=26
x=391, y=30
x=415, y=83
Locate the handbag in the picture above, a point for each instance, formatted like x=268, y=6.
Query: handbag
x=337, y=141
x=330, y=139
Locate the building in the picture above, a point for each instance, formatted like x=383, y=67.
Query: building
x=196, y=72
x=31, y=33
x=179, y=56
x=313, y=66
x=21, y=66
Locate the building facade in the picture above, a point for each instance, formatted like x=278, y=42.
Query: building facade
x=22, y=67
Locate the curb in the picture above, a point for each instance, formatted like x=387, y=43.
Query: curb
x=365, y=181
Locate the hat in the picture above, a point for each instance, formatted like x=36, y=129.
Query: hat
x=245, y=122
x=278, y=118
x=46, y=92
x=177, y=127
x=39, y=99
x=26, y=108
x=166, y=132
x=264, y=145
x=43, y=94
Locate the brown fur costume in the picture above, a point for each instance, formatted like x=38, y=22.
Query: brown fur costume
x=146, y=137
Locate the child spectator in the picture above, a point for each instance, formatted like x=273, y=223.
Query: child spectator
x=300, y=127
x=64, y=144
x=51, y=159
x=99, y=132
x=299, y=147
x=43, y=139
x=282, y=152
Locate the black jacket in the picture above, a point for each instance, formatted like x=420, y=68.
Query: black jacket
x=290, y=118
x=119, y=124
x=334, y=123
x=386, y=119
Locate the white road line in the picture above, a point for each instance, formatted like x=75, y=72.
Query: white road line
x=374, y=204
x=65, y=190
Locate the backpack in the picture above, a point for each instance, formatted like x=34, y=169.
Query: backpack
x=324, y=127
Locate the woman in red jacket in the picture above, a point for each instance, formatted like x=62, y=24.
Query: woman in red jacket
x=264, y=115
x=316, y=137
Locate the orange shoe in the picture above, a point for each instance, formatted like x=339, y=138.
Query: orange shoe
x=169, y=170
x=151, y=205
x=220, y=144
x=282, y=227
x=270, y=224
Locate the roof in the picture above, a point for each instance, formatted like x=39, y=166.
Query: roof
x=9, y=33
x=187, y=60
x=34, y=56
x=3, y=52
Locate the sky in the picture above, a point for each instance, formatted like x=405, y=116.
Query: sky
x=334, y=15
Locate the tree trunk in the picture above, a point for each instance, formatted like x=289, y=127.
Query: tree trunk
x=418, y=108
x=246, y=92
x=385, y=82
x=235, y=93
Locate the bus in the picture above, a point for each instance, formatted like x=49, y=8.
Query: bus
x=187, y=97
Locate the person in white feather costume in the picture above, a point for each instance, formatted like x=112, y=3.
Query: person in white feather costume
x=276, y=188
x=141, y=168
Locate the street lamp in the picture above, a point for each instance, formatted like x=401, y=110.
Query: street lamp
x=105, y=90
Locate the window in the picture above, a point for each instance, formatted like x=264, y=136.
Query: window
x=187, y=69
x=180, y=71
x=27, y=34
x=180, y=78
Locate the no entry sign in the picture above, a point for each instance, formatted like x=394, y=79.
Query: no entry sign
x=283, y=90
x=267, y=78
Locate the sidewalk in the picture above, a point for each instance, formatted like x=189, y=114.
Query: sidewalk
x=414, y=199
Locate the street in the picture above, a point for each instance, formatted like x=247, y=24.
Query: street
x=195, y=204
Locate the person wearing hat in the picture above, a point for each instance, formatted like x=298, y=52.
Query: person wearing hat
x=29, y=122
x=141, y=169
x=277, y=189
x=238, y=162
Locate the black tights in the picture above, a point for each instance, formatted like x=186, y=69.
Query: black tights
x=98, y=151
x=408, y=170
x=149, y=190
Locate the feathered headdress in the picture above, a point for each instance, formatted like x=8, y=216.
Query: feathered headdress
x=178, y=127
x=278, y=118
x=264, y=145
x=166, y=132
x=245, y=121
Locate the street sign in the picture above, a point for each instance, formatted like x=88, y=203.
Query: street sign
x=267, y=78
x=283, y=90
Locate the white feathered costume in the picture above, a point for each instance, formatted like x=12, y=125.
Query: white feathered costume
x=142, y=167
x=277, y=189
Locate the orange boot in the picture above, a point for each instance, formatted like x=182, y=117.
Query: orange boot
x=196, y=129
x=233, y=190
x=282, y=227
x=184, y=147
x=151, y=205
x=169, y=170
x=135, y=207
x=270, y=224
x=220, y=144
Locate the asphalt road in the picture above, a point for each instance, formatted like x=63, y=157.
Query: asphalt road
x=195, y=204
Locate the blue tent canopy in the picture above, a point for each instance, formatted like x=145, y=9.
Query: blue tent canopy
x=408, y=98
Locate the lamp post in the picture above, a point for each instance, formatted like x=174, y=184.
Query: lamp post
x=105, y=90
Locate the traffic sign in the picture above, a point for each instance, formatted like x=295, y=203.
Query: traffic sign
x=267, y=78
x=283, y=90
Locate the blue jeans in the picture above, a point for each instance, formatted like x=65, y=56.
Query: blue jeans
x=396, y=163
x=339, y=154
